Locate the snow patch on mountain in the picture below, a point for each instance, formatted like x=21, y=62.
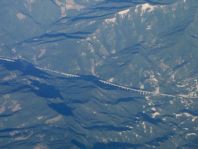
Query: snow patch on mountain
x=123, y=13
x=20, y=16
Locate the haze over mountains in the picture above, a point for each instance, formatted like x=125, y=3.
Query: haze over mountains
x=92, y=74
